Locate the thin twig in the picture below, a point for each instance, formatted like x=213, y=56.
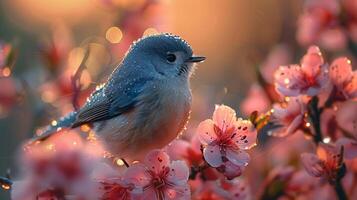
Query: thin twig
x=75, y=80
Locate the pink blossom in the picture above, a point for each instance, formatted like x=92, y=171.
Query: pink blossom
x=288, y=116
x=256, y=100
x=343, y=78
x=223, y=190
x=308, y=78
x=346, y=118
x=325, y=163
x=320, y=24
x=225, y=138
x=62, y=163
x=158, y=178
x=191, y=153
x=279, y=55
x=329, y=125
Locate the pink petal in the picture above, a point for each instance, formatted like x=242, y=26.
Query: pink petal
x=206, y=133
x=295, y=124
x=240, y=158
x=150, y=193
x=224, y=117
x=256, y=100
x=230, y=170
x=178, y=149
x=350, y=147
x=333, y=39
x=312, y=61
x=246, y=136
x=137, y=175
x=346, y=117
x=157, y=160
x=289, y=80
x=312, y=164
x=340, y=71
x=351, y=87
x=179, y=172
x=213, y=155
x=178, y=192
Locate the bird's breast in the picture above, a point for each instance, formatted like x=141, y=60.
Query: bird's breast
x=159, y=116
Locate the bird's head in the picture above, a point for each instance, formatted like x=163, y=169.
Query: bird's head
x=168, y=55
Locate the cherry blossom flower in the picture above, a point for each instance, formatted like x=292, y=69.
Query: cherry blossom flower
x=288, y=116
x=225, y=139
x=278, y=56
x=191, y=152
x=158, y=178
x=325, y=163
x=346, y=118
x=256, y=100
x=308, y=78
x=343, y=78
x=223, y=190
x=57, y=167
x=320, y=24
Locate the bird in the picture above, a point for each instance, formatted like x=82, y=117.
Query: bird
x=146, y=101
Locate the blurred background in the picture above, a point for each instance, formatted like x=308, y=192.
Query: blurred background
x=42, y=44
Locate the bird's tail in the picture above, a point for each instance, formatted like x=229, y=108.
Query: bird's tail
x=55, y=126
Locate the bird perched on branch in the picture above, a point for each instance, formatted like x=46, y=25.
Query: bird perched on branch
x=146, y=101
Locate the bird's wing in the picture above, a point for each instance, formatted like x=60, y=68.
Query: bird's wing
x=111, y=100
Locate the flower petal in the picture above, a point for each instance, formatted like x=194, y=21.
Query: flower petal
x=346, y=117
x=137, y=175
x=340, y=71
x=246, y=136
x=206, y=132
x=157, y=160
x=213, y=155
x=350, y=147
x=312, y=61
x=312, y=164
x=240, y=158
x=178, y=192
x=230, y=170
x=179, y=172
x=224, y=117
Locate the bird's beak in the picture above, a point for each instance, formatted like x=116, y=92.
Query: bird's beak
x=196, y=59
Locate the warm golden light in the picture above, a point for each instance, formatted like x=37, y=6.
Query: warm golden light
x=120, y=162
x=6, y=72
x=5, y=187
x=114, y=34
x=150, y=31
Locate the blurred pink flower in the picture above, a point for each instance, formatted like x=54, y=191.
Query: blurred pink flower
x=115, y=189
x=223, y=190
x=59, y=166
x=308, y=78
x=278, y=56
x=225, y=138
x=256, y=100
x=343, y=78
x=329, y=125
x=325, y=163
x=320, y=24
x=346, y=118
x=158, y=178
x=288, y=116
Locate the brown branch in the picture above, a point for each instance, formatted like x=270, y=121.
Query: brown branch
x=75, y=80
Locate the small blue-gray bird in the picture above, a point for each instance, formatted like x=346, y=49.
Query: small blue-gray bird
x=146, y=101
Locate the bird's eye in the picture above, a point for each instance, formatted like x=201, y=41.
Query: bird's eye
x=171, y=57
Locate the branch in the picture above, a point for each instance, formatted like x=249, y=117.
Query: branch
x=75, y=80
